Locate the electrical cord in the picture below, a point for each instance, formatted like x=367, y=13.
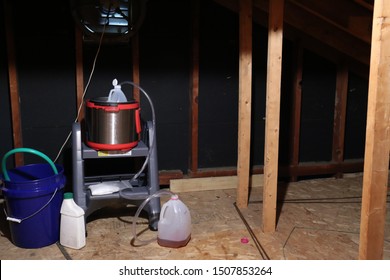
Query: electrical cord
x=310, y=228
x=297, y=201
x=85, y=89
x=259, y=247
x=289, y=235
x=63, y=251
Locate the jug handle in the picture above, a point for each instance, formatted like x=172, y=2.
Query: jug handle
x=163, y=210
x=110, y=94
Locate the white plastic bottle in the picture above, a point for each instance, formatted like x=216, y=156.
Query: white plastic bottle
x=72, y=226
x=174, y=226
x=116, y=94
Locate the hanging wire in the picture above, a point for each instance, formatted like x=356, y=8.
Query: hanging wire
x=85, y=89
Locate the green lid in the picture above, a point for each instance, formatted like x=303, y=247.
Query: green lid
x=68, y=195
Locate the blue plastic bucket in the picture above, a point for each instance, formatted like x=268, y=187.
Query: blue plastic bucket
x=33, y=196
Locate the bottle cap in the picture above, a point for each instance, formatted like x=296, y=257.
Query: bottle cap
x=244, y=240
x=68, y=195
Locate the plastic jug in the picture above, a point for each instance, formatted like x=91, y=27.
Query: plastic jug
x=174, y=226
x=116, y=94
x=72, y=226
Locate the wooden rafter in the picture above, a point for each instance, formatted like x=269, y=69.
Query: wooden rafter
x=351, y=23
x=304, y=24
x=368, y=4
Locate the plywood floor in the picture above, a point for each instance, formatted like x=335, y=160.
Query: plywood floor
x=318, y=219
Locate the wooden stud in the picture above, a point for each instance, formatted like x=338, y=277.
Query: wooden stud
x=79, y=72
x=340, y=112
x=13, y=84
x=272, y=121
x=244, y=101
x=194, y=91
x=376, y=157
x=136, y=73
x=296, y=105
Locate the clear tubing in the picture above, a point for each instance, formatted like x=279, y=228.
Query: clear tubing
x=154, y=127
x=156, y=194
x=152, y=145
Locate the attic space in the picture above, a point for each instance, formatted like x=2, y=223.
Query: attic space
x=45, y=61
x=241, y=107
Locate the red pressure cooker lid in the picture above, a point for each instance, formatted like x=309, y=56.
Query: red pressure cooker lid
x=102, y=103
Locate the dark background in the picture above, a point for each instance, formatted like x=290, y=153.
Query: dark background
x=45, y=60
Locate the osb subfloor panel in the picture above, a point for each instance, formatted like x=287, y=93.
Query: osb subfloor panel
x=318, y=219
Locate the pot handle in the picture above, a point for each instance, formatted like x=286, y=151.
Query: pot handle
x=28, y=150
x=137, y=120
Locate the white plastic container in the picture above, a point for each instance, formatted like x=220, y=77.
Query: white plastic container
x=174, y=226
x=116, y=94
x=72, y=226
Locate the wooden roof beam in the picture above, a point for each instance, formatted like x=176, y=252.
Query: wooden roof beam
x=342, y=14
x=315, y=45
x=322, y=30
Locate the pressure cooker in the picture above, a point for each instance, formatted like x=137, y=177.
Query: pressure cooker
x=112, y=125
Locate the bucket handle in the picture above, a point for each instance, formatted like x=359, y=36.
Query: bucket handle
x=28, y=150
x=18, y=220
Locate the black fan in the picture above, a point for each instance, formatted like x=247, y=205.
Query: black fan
x=119, y=19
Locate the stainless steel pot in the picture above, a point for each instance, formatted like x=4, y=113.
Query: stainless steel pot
x=112, y=126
